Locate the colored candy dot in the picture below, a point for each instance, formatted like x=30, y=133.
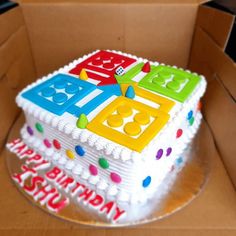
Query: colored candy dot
x=47, y=143
x=190, y=114
x=93, y=169
x=159, y=154
x=39, y=127
x=179, y=133
x=173, y=85
x=115, y=178
x=168, y=151
x=158, y=80
x=56, y=144
x=191, y=121
x=132, y=128
x=30, y=130
x=179, y=160
x=82, y=121
x=147, y=181
x=79, y=150
x=103, y=163
x=72, y=89
x=59, y=97
x=115, y=120
x=124, y=110
x=199, y=106
x=48, y=92
x=60, y=84
x=70, y=154
x=142, y=118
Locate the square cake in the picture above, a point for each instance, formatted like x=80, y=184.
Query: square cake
x=109, y=128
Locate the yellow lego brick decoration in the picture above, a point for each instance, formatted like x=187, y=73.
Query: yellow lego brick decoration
x=131, y=123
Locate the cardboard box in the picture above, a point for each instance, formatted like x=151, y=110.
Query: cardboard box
x=38, y=37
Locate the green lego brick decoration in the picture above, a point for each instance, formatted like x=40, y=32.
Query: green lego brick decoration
x=171, y=82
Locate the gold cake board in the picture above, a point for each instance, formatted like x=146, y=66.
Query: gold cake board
x=188, y=185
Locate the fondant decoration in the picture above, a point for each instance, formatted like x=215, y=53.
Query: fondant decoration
x=191, y=121
x=70, y=154
x=83, y=74
x=147, y=181
x=199, y=106
x=103, y=163
x=171, y=82
x=79, y=150
x=56, y=144
x=30, y=130
x=190, y=114
x=128, y=77
x=113, y=89
x=168, y=151
x=179, y=161
x=130, y=92
x=47, y=143
x=127, y=136
x=146, y=67
x=161, y=103
x=142, y=118
x=102, y=66
x=115, y=120
x=120, y=70
x=93, y=170
x=115, y=178
x=159, y=154
x=82, y=121
x=39, y=127
x=179, y=133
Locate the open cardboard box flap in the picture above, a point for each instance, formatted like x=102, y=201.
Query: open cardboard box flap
x=37, y=38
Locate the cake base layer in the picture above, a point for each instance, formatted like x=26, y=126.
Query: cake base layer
x=187, y=183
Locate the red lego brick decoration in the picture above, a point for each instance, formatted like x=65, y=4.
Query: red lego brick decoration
x=102, y=66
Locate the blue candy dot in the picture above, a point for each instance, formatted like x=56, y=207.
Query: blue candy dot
x=147, y=181
x=190, y=114
x=179, y=160
x=79, y=150
x=60, y=84
x=72, y=89
x=48, y=92
x=59, y=97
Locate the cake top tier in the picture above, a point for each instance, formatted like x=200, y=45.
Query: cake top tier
x=119, y=97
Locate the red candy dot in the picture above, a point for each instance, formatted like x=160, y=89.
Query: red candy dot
x=115, y=178
x=93, y=170
x=47, y=143
x=179, y=133
x=56, y=144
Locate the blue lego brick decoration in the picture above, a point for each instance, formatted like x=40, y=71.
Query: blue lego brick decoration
x=62, y=93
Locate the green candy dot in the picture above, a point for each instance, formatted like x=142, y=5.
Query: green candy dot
x=103, y=163
x=191, y=121
x=39, y=127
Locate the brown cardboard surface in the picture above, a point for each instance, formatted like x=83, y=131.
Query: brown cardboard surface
x=60, y=33
x=217, y=24
x=214, y=211
x=16, y=66
x=220, y=108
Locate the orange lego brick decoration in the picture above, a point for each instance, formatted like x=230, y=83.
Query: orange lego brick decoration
x=129, y=123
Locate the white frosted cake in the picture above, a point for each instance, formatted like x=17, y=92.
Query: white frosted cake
x=108, y=129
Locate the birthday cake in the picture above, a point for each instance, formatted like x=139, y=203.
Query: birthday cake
x=108, y=129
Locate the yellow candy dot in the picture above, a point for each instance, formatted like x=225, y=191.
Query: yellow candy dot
x=124, y=110
x=132, y=128
x=70, y=154
x=142, y=118
x=115, y=120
